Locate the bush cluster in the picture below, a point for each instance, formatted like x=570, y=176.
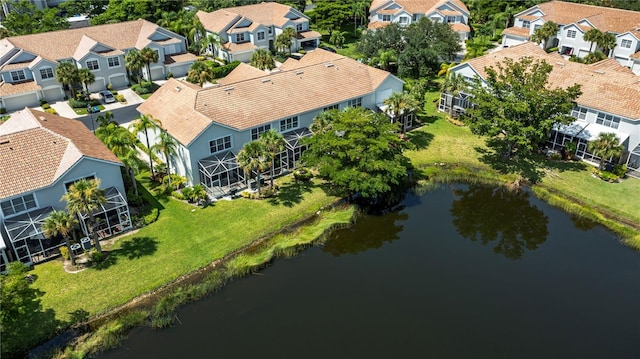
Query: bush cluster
x=151, y=217
x=83, y=104
x=145, y=88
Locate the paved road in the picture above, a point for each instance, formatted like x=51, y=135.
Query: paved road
x=121, y=115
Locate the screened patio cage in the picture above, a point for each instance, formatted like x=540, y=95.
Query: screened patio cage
x=221, y=174
x=111, y=218
x=581, y=133
x=290, y=157
x=27, y=238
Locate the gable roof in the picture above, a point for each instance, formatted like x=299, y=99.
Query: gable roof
x=64, y=44
x=604, y=18
x=319, y=79
x=36, y=148
x=419, y=6
x=606, y=85
x=265, y=13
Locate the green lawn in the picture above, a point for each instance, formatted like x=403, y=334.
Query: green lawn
x=183, y=239
x=83, y=110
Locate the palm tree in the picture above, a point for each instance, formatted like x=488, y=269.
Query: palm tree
x=323, y=122
x=606, y=146
x=209, y=42
x=282, y=43
x=284, y=39
x=273, y=143
x=105, y=119
x=61, y=223
x=86, y=77
x=200, y=73
x=83, y=198
x=134, y=62
x=445, y=68
x=67, y=75
x=253, y=158
x=149, y=56
x=400, y=104
x=453, y=85
x=542, y=34
x=168, y=147
x=143, y=123
x=262, y=59
x=593, y=36
x=337, y=39
x=607, y=42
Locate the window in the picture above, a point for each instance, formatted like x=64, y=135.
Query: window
x=68, y=184
x=536, y=27
x=113, y=61
x=240, y=37
x=626, y=44
x=289, y=123
x=256, y=132
x=332, y=107
x=451, y=19
x=571, y=34
x=220, y=144
x=46, y=73
x=93, y=65
x=299, y=27
x=355, y=102
x=579, y=112
x=18, y=75
x=403, y=20
x=385, y=17
x=270, y=30
x=17, y=205
x=608, y=120
x=526, y=24
x=260, y=35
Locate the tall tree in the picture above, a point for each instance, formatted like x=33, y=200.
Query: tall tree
x=542, y=34
x=606, y=146
x=134, y=62
x=86, y=77
x=67, y=74
x=607, y=42
x=360, y=153
x=166, y=146
x=593, y=36
x=453, y=85
x=329, y=15
x=199, y=73
x=25, y=18
x=125, y=10
x=123, y=144
x=516, y=107
x=262, y=59
x=143, y=123
x=337, y=38
x=83, y=198
x=149, y=56
x=64, y=224
x=273, y=143
x=399, y=106
x=254, y=158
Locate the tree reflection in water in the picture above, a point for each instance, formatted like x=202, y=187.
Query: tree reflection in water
x=372, y=231
x=489, y=214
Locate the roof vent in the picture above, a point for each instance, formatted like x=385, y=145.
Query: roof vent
x=299, y=72
x=560, y=63
x=266, y=80
x=178, y=88
x=329, y=65
x=228, y=88
x=4, y=141
x=599, y=72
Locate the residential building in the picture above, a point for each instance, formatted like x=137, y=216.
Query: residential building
x=242, y=30
x=574, y=21
x=405, y=12
x=609, y=100
x=212, y=124
x=28, y=63
x=41, y=155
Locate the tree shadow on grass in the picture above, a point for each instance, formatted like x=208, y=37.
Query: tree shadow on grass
x=291, y=193
x=419, y=140
x=130, y=248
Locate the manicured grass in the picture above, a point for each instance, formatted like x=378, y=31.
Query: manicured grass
x=83, y=110
x=183, y=239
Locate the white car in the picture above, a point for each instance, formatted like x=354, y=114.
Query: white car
x=107, y=97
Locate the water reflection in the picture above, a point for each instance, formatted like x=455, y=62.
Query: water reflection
x=488, y=214
x=372, y=231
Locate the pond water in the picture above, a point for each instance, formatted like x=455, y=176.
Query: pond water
x=458, y=272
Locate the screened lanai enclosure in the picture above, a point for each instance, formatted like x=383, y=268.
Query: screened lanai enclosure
x=112, y=217
x=581, y=132
x=221, y=174
x=27, y=237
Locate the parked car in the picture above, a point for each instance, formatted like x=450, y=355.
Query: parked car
x=107, y=97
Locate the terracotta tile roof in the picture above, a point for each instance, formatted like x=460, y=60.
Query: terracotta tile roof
x=517, y=31
x=64, y=44
x=389, y=12
x=420, y=6
x=459, y=27
x=241, y=73
x=377, y=3
x=171, y=40
x=528, y=17
x=266, y=13
x=450, y=12
x=309, y=34
x=7, y=89
x=636, y=55
x=36, y=148
x=606, y=86
x=18, y=65
x=178, y=58
x=313, y=83
x=233, y=47
x=218, y=20
x=377, y=25
x=604, y=18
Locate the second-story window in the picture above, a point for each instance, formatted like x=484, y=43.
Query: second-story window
x=526, y=24
x=451, y=19
x=571, y=34
x=240, y=37
x=93, y=65
x=386, y=18
x=260, y=35
x=356, y=102
x=403, y=20
x=18, y=75
x=299, y=27
x=113, y=61
x=626, y=44
x=46, y=73
x=256, y=132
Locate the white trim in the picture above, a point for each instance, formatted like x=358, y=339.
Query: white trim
x=115, y=66
x=224, y=149
x=86, y=63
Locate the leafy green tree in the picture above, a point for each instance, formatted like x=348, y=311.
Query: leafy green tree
x=360, y=153
x=337, y=38
x=385, y=59
x=143, y=123
x=283, y=41
x=149, y=56
x=86, y=77
x=134, y=62
x=594, y=57
x=273, y=143
x=64, y=224
x=83, y=198
x=399, y=105
x=105, y=119
x=331, y=14
x=209, y=42
x=388, y=38
x=123, y=144
x=67, y=74
x=517, y=108
x=323, y=122
x=90, y=8
x=125, y=10
x=453, y=85
x=25, y=18
x=167, y=146
x=607, y=42
x=477, y=46
x=542, y=34
x=199, y=73
x=253, y=157
x=593, y=36
x=606, y=146
x=262, y=59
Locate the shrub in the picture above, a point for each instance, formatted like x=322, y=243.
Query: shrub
x=64, y=251
x=213, y=64
x=302, y=175
x=113, y=92
x=51, y=111
x=94, y=102
x=608, y=176
x=3, y=110
x=223, y=71
x=555, y=156
x=134, y=200
x=77, y=103
x=120, y=98
x=169, y=75
x=42, y=102
x=177, y=181
x=200, y=58
x=302, y=52
x=95, y=256
x=177, y=195
x=45, y=106
x=151, y=217
x=552, y=49
x=109, y=87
